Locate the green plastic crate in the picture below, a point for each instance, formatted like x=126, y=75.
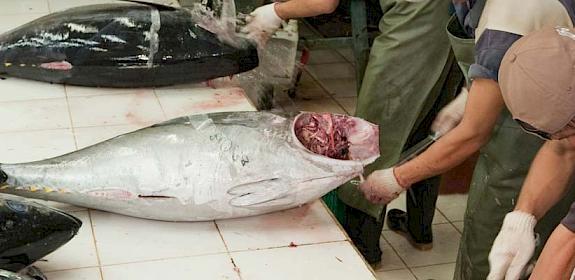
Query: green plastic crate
x=335, y=205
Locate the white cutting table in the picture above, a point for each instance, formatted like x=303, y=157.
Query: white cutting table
x=41, y=120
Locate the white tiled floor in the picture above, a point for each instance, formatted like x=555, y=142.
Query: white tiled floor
x=24, y=7
x=401, y=274
x=445, y=245
x=305, y=225
x=451, y=206
x=218, y=266
x=16, y=145
x=138, y=109
x=332, y=260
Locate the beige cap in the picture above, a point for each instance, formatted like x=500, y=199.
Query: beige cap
x=537, y=78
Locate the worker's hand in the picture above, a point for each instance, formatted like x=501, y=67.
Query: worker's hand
x=262, y=23
x=513, y=246
x=381, y=187
x=450, y=116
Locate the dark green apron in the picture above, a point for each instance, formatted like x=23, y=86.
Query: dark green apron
x=408, y=66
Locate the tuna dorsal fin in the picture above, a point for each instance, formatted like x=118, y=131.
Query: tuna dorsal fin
x=259, y=193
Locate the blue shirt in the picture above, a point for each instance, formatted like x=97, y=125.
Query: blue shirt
x=493, y=44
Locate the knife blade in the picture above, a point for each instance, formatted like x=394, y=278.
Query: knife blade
x=417, y=149
x=408, y=155
x=414, y=151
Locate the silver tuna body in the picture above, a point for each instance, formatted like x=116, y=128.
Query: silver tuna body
x=195, y=168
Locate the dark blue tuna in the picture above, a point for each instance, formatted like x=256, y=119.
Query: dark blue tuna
x=29, y=231
x=124, y=44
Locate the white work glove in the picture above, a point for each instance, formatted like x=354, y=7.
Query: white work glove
x=262, y=23
x=513, y=246
x=450, y=116
x=381, y=187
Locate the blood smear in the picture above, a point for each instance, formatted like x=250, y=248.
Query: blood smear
x=57, y=65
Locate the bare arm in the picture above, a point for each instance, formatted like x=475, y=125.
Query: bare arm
x=305, y=8
x=556, y=258
x=548, y=177
x=482, y=110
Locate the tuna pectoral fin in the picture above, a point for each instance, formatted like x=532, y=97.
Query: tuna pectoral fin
x=268, y=191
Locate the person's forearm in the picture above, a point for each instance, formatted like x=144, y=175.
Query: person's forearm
x=445, y=154
x=548, y=178
x=555, y=260
x=304, y=8
x=483, y=107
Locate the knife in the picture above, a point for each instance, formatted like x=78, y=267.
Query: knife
x=411, y=153
x=418, y=148
x=414, y=151
x=408, y=155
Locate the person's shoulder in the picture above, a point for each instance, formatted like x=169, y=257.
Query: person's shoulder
x=489, y=51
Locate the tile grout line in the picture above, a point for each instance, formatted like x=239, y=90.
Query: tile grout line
x=49, y=7
x=401, y=258
x=345, y=58
x=330, y=94
x=33, y=99
x=160, y=103
x=434, y=224
x=347, y=238
x=100, y=268
x=85, y=96
x=26, y=13
x=398, y=255
x=236, y=268
x=422, y=266
x=317, y=33
x=410, y=268
x=69, y=269
x=161, y=259
x=70, y=116
x=288, y=246
x=449, y=221
x=190, y=256
x=53, y=129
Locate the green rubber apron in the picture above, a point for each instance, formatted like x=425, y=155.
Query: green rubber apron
x=408, y=66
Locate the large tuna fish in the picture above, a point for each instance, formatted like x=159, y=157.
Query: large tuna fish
x=206, y=167
x=123, y=44
x=29, y=231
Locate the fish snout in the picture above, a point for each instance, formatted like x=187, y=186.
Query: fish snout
x=29, y=231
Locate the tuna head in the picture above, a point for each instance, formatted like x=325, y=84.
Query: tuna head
x=328, y=150
x=29, y=231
